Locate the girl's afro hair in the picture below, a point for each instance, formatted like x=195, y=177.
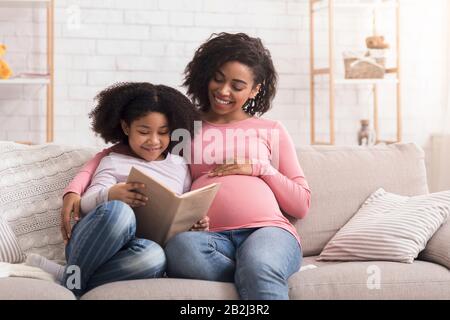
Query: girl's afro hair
x=130, y=101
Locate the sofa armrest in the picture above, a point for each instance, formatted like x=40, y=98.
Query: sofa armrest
x=438, y=247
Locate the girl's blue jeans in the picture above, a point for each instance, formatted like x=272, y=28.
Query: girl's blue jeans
x=258, y=260
x=104, y=248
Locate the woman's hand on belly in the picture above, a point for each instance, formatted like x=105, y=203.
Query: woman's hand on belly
x=242, y=167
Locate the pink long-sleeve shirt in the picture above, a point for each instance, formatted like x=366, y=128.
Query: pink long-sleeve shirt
x=276, y=185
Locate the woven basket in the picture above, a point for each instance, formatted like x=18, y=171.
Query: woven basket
x=364, y=68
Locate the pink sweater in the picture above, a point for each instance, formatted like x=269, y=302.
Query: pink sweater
x=277, y=183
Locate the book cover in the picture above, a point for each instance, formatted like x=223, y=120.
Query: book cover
x=167, y=213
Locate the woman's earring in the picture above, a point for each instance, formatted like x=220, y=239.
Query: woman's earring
x=249, y=105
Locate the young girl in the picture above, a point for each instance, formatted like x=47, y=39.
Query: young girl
x=103, y=245
x=232, y=80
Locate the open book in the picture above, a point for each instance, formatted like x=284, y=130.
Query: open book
x=167, y=213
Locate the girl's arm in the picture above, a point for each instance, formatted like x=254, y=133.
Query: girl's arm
x=71, y=195
x=105, y=187
x=286, y=178
x=81, y=181
x=97, y=193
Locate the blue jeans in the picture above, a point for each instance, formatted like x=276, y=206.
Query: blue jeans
x=104, y=247
x=258, y=260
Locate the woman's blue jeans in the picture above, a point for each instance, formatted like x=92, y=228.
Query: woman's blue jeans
x=258, y=260
x=104, y=248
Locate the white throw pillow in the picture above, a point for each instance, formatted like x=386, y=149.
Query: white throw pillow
x=389, y=227
x=9, y=248
x=32, y=180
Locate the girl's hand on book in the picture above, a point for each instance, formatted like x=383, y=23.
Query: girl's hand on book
x=243, y=167
x=128, y=193
x=201, y=225
x=71, y=204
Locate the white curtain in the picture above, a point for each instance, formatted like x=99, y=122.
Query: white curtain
x=441, y=142
x=446, y=89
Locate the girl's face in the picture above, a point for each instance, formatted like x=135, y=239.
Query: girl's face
x=229, y=89
x=148, y=136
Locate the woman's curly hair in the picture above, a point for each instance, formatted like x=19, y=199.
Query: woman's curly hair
x=130, y=101
x=224, y=47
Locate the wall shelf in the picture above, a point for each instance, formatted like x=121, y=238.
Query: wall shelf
x=25, y=3
x=43, y=81
x=330, y=8
x=385, y=81
x=320, y=5
x=365, y=81
x=48, y=81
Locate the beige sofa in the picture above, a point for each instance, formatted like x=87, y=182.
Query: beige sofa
x=341, y=178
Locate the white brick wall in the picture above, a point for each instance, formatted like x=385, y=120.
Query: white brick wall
x=153, y=40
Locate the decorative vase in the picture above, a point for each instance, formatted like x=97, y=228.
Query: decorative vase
x=366, y=135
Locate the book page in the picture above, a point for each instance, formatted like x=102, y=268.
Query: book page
x=192, y=208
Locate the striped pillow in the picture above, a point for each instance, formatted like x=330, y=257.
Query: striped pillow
x=389, y=227
x=9, y=247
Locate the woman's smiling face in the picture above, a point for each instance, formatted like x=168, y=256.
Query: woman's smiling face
x=229, y=89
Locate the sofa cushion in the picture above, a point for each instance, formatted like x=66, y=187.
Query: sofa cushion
x=15, y=288
x=341, y=178
x=370, y=280
x=9, y=248
x=389, y=227
x=163, y=289
x=330, y=280
x=32, y=179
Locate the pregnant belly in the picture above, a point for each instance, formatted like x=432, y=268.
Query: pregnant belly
x=241, y=201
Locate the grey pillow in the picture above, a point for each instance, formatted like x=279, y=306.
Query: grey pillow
x=438, y=247
x=389, y=227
